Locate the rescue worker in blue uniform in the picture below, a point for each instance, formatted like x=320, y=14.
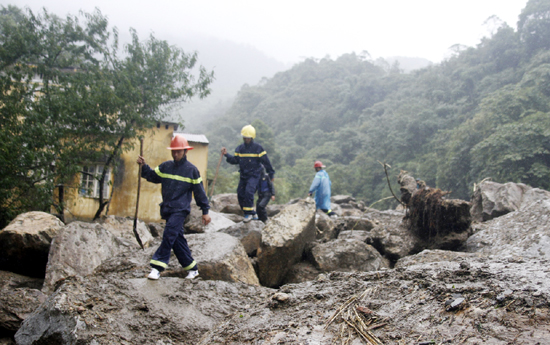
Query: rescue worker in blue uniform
x=250, y=156
x=266, y=192
x=321, y=187
x=180, y=181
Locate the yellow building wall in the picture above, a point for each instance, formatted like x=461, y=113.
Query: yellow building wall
x=125, y=179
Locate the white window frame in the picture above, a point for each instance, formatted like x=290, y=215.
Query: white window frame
x=89, y=183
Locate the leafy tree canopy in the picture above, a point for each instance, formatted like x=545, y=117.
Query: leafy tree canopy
x=481, y=113
x=69, y=95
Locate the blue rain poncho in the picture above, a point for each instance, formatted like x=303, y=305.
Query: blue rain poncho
x=321, y=187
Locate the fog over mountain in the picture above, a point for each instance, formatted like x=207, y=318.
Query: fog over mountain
x=233, y=64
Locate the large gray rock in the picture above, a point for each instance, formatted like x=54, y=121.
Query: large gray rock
x=360, y=235
x=438, y=222
x=235, y=218
x=524, y=233
x=347, y=256
x=284, y=239
x=19, y=297
x=124, y=228
x=193, y=222
x=358, y=223
x=408, y=186
x=327, y=227
x=437, y=257
x=274, y=209
x=250, y=235
x=226, y=203
x=220, y=257
x=347, y=210
x=25, y=243
x=78, y=249
x=342, y=199
x=389, y=235
x=491, y=199
x=108, y=310
x=300, y=272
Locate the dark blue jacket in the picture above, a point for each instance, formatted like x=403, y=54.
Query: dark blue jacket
x=266, y=186
x=250, y=158
x=180, y=180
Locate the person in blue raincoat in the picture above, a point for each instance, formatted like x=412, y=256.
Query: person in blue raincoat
x=321, y=187
x=250, y=156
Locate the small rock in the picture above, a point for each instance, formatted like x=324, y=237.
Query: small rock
x=281, y=297
x=501, y=297
x=454, y=304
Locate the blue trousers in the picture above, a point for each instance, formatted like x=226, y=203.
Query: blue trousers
x=173, y=239
x=245, y=193
x=261, y=204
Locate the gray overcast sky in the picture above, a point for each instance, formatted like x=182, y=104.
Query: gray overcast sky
x=290, y=30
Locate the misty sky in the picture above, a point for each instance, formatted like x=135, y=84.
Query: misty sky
x=290, y=31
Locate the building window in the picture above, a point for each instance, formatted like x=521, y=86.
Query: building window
x=89, y=181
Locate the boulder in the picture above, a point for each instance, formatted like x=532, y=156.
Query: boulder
x=327, y=227
x=347, y=255
x=274, y=209
x=19, y=297
x=438, y=222
x=491, y=199
x=336, y=209
x=219, y=257
x=226, y=203
x=233, y=217
x=360, y=235
x=301, y=272
x=408, y=186
x=78, y=249
x=25, y=243
x=284, y=239
x=250, y=235
x=123, y=227
x=357, y=223
x=440, y=258
x=348, y=210
x=523, y=233
x=389, y=235
x=193, y=222
x=108, y=310
x=342, y=199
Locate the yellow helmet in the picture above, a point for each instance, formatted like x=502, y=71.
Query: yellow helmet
x=248, y=132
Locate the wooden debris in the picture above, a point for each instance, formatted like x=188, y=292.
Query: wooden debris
x=357, y=318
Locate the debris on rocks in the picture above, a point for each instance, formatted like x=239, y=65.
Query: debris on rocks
x=353, y=316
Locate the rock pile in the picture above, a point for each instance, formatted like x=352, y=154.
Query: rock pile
x=323, y=279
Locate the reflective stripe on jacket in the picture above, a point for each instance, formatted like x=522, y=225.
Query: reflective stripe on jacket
x=180, y=181
x=250, y=158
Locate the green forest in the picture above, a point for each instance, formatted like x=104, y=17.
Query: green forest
x=482, y=113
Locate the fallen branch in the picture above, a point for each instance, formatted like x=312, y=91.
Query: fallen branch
x=389, y=184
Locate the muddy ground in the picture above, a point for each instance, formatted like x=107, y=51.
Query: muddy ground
x=435, y=297
x=476, y=301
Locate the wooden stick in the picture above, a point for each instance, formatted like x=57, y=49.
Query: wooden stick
x=137, y=198
x=215, y=177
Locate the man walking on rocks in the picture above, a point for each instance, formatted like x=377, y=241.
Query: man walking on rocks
x=250, y=156
x=266, y=192
x=321, y=187
x=181, y=181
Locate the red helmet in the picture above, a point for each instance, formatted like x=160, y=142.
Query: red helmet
x=179, y=143
x=318, y=164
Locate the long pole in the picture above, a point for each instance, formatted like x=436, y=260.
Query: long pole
x=215, y=177
x=137, y=199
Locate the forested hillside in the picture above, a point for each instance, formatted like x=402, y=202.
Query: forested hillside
x=482, y=113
